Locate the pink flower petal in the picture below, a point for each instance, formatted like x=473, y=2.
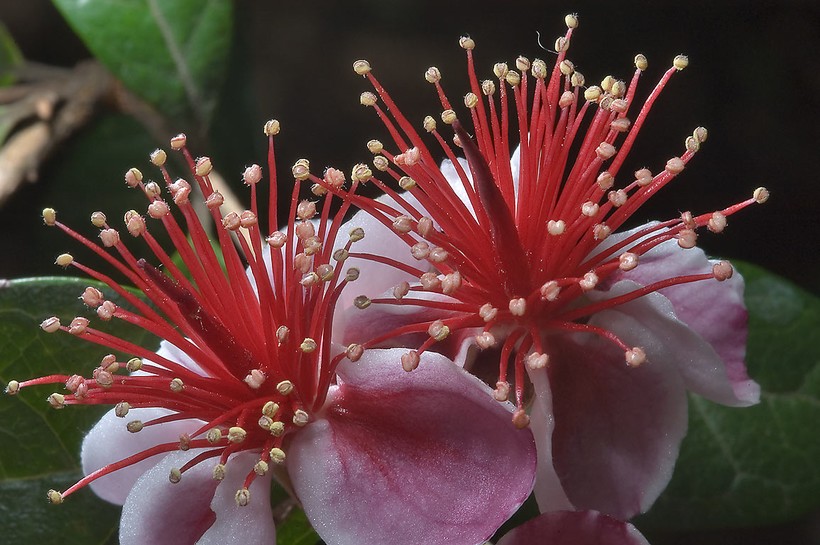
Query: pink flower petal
x=109, y=441
x=617, y=429
x=574, y=528
x=197, y=509
x=419, y=457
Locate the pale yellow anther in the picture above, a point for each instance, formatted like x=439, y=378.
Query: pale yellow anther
x=236, y=434
x=12, y=387
x=175, y=475
x=361, y=67
x=300, y=417
x=213, y=436
x=243, y=497
x=301, y=169
x=178, y=142
x=308, y=345
x=470, y=100
x=561, y=44
x=635, y=357
x=407, y=183
x=56, y=400
x=282, y=333
x=133, y=177
x=285, y=387
x=593, y=93
x=432, y=75
x=98, y=219
x=361, y=173
x=375, y=146
x=367, y=99
x=571, y=20
x=523, y=63
x=618, y=90
x=577, y=79
x=513, y=78
x=277, y=428
x=500, y=70
x=691, y=144
x=760, y=195
x=272, y=127
x=203, y=166
x=502, y=391
x=158, y=157
x=640, y=62
x=177, y=385
x=438, y=330
x=134, y=426
x=566, y=67
x=680, y=62
x=64, y=260
x=448, y=117
x=700, y=134
x=260, y=468
x=218, y=473
x=488, y=87
x=722, y=270
x=410, y=360
x=54, y=497
x=49, y=216
x=121, y=409
x=277, y=455
x=466, y=43
x=430, y=281
x=381, y=163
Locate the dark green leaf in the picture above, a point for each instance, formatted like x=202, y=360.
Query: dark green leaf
x=41, y=445
x=757, y=465
x=172, y=53
x=10, y=57
x=296, y=530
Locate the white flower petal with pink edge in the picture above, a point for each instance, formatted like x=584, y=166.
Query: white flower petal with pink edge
x=197, y=509
x=420, y=457
x=575, y=528
x=617, y=429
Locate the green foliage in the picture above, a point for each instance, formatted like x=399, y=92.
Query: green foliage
x=10, y=57
x=758, y=465
x=41, y=446
x=172, y=53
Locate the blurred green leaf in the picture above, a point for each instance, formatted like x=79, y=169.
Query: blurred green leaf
x=296, y=530
x=758, y=465
x=10, y=57
x=41, y=446
x=172, y=53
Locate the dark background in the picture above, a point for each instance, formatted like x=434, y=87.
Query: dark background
x=753, y=81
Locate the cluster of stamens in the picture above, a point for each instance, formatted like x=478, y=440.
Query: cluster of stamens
x=259, y=340
x=517, y=254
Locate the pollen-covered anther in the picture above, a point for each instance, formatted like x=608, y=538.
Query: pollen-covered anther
x=566, y=67
x=410, y=360
x=277, y=428
x=282, y=333
x=178, y=142
x=605, y=151
x=401, y=289
x=56, y=400
x=430, y=281
x=520, y=419
x=121, y=409
x=285, y=387
x=760, y=195
x=367, y=99
x=627, y=261
x=691, y=144
x=451, y=282
x=78, y=325
x=375, y=146
x=635, y=357
x=243, y=497
x=716, y=223
x=571, y=20
x=134, y=426
x=487, y=312
x=589, y=209
x=466, y=43
x=158, y=157
x=381, y=163
x=556, y=228
x=617, y=198
x=641, y=63
x=488, y=87
x=64, y=260
x=522, y=63
x=133, y=177
x=98, y=219
x=420, y=250
x=589, y=281
x=50, y=325
x=501, y=391
x=109, y=237
x=361, y=302
x=49, y=216
x=485, y=340
x=301, y=169
x=134, y=364
x=407, y=183
x=213, y=436
x=308, y=345
x=361, y=67
x=176, y=385
x=54, y=497
x=687, y=238
x=449, y=117
x=255, y=378
x=203, y=166
x=175, y=475
x=680, y=62
x=300, y=418
x=722, y=270
x=592, y=93
x=438, y=330
x=236, y=434
x=277, y=455
x=403, y=224
x=432, y=75
x=513, y=78
x=361, y=173
x=601, y=231
x=218, y=473
x=152, y=190
x=354, y=351
x=272, y=127
x=518, y=306
x=536, y=360
x=261, y=467
x=12, y=387
x=577, y=79
x=470, y=100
